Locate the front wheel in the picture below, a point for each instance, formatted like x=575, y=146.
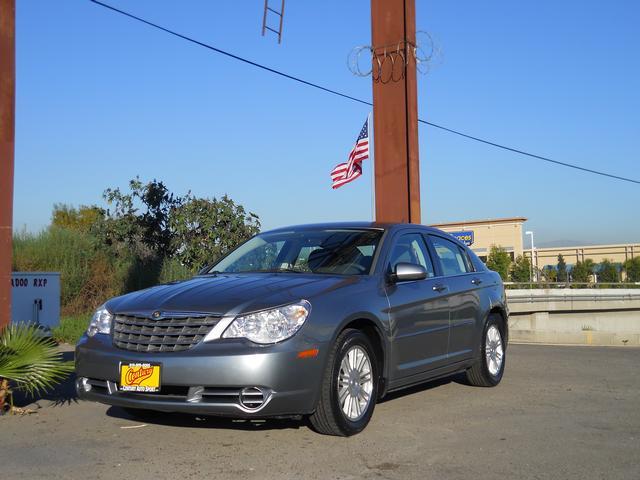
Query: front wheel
x=488, y=371
x=349, y=386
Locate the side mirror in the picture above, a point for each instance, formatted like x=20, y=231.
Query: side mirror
x=405, y=272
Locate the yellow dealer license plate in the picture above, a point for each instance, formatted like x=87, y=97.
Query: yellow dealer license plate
x=139, y=377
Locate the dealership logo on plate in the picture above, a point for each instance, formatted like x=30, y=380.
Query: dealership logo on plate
x=137, y=376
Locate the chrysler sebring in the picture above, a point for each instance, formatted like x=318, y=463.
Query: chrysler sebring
x=316, y=320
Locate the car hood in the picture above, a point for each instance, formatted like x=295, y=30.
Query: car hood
x=228, y=294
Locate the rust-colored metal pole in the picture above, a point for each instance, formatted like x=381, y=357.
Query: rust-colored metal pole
x=395, y=111
x=7, y=136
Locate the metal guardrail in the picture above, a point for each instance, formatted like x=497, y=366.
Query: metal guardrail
x=565, y=285
x=563, y=295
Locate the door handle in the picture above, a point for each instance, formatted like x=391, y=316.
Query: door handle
x=476, y=281
x=439, y=287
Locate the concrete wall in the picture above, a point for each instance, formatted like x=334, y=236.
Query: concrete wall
x=575, y=316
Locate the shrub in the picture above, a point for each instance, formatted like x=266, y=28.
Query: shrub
x=82, y=219
x=173, y=270
x=57, y=249
x=549, y=274
x=71, y=328
x=521, y=269
x=608, y=272
x=148, y=237
x=28, y=362
x=582, y=271
x=632, y=268
x=562, y=269
x=499, y=261
x=204, y=229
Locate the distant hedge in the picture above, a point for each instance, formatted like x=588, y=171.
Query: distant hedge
x=90, y=273
x=149, y=236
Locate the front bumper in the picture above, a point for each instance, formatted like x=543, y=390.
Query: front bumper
x=208, y=378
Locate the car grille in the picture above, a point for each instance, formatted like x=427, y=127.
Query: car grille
x=167, y=334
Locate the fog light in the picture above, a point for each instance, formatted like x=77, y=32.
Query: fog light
x=84, y=384
x=252, y=398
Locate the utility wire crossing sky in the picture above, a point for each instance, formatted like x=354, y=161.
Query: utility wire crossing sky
x=364, y=102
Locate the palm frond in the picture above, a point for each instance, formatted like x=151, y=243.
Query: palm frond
x=29, y=360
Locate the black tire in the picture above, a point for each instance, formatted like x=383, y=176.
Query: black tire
x=329, y=419
x=479, y=375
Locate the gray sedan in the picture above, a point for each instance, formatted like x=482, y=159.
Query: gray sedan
x=316, y=320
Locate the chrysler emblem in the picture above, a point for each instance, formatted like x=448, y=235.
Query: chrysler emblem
x=156, y=314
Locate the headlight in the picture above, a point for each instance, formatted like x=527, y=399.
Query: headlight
x=100, y=322
x=269, y=326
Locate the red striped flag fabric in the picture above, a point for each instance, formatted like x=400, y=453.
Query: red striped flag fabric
x=352, y=168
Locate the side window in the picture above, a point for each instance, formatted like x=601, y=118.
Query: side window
x=410, y=248
x=451, y=257
x=467, y=260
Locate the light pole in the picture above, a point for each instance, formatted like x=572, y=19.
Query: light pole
x=534, y=272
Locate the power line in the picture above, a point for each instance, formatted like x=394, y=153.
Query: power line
x=355, y=99
x=231, y=55
x=532, y=155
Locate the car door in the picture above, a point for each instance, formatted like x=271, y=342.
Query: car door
x=464, y=300
x=418, y=311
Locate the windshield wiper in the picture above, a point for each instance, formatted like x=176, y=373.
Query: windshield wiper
x=269, y=270
x=280, y=270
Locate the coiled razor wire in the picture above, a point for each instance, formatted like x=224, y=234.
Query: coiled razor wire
x=388, y=62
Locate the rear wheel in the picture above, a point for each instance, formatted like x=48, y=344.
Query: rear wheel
x=349, y=386
x=488, y=371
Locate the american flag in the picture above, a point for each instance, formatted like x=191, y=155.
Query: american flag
x=352, y=169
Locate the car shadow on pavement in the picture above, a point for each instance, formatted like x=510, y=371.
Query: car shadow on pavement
x=203, y=421
x=64, y=393
x=459, y=378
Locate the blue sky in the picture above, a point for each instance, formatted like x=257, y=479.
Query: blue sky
x=101, y=99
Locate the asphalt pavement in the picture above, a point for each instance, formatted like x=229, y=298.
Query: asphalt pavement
x=560, y=413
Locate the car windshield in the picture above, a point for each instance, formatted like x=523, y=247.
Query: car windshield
x=324, y=251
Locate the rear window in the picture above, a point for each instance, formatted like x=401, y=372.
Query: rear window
x=453, y=260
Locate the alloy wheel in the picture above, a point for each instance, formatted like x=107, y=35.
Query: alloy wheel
x=355, y=383
x=494, y=351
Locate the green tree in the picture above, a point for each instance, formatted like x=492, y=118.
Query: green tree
x=632, y=269
x=146, y=236
x=205, y=229
x=81, y=219
x=608, y=272
x=521, y=269
x=582, y=271
x=138, y=222
x=562, y=269
x=499, y=261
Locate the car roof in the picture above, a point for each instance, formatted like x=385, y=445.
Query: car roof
x=364, y=225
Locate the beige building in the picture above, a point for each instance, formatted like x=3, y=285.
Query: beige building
x=508, y=234
x=481, y=234
x=618, y=253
